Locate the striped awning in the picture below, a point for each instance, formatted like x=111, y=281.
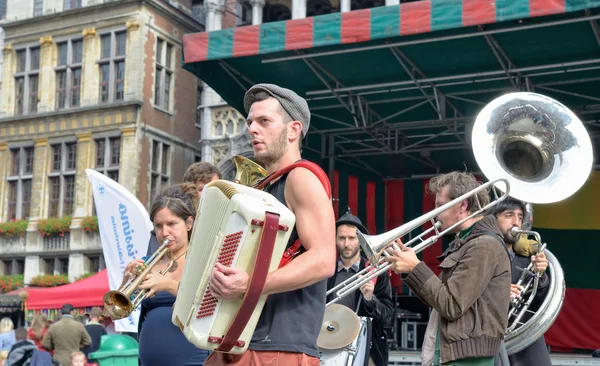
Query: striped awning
x=367, y=25
x=414, y=75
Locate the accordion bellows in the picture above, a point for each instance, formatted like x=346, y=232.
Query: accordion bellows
x=240, y=227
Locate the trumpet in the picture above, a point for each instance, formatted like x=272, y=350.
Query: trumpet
x=374, y=246
x=122, y=302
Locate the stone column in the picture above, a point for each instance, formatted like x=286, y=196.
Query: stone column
x=345, y=6
x=299, y=9
x=135, y=57
x=257, y=11
x=83, y=188
x=76, y=266
x=5, y=157
x=7, y=100
x=219, y=11
x=47, y=76
x=129, y=170
x=90, y=74
x=39, y=194
x=39, y=187
x=32, y=267
x=210, y=7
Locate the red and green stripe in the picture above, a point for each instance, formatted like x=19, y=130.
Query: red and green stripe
x=366, y=25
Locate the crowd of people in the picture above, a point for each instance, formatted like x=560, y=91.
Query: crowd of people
x=469, y=300
x=68, y=341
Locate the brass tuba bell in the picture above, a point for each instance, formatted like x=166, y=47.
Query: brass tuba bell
x=248, y=172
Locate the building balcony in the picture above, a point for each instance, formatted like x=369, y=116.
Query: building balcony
x=57, y=243
x=13, y=245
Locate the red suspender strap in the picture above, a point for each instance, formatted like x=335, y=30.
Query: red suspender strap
x=256, y=283
x=293, y=250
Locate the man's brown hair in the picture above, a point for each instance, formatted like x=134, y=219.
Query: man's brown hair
x=459, y=183
x=201, y=171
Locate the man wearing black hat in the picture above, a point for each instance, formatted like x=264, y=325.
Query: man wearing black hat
x=374, y=300
x=289, y=325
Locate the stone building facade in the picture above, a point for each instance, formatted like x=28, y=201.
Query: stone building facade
x=89, y=84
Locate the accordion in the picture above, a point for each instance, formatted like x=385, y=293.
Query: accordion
x=240, y=227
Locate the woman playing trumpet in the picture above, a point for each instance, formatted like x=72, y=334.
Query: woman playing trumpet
x=161, y=342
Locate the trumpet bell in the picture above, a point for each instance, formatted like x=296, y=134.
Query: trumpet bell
x=536, y=143
x=117, y=305
x=248, y=172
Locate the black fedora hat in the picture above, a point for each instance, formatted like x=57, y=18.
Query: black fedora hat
x=350, y=219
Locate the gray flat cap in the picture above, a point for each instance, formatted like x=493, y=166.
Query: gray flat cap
x=291, y=102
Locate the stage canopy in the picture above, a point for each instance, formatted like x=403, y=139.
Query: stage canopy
x=405, y=82
x=81, y=294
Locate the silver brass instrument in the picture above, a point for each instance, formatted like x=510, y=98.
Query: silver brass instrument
x=122, y=302
x=374, y=246
x=519, y=305
x=528, y=146
x=544, y=151
x=521, y=334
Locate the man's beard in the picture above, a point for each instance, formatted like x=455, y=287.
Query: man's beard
x=509, y=239
x=271, y=155
x=348, y=256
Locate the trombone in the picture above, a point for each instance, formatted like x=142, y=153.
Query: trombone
x=375, y=246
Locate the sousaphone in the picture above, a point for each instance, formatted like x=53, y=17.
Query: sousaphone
x=545, y=153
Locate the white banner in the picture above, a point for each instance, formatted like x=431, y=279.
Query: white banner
x=124, y=226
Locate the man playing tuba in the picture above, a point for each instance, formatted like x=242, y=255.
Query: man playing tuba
x=509, y=214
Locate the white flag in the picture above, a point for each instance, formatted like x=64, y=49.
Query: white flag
x=124, y=226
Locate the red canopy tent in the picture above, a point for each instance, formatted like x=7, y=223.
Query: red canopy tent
x=85, y=293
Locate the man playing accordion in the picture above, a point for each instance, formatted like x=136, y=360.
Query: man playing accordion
x=287, y=331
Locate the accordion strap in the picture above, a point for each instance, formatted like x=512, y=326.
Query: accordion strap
x=294, y=249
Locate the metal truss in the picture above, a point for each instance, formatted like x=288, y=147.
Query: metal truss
x=370, y=134
x=355, y=130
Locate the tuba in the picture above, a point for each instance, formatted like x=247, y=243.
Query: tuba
x=529, y=146
x=545, y=153
x=120, y=303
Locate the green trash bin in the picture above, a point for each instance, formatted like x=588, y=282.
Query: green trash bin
x=116, y=349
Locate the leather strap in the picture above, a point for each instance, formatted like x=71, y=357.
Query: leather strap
x=256, y=282
x=294, y=249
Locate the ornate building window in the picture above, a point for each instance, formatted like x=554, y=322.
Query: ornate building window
x=94, y=263
x=72, y=4
x=19, y=183
x=27, y=80
x=227, y=120
x=61, y=179
x=38, y=7
x=112, y=66
x=161, y=166
x=68, y=73
x=108, y=156
x=13, y=266
x=163, y=74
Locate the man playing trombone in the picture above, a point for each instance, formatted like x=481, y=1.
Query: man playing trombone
x=509, y=214
x=374, y=300
x=470, y=298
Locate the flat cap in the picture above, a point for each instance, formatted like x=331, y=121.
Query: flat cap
x=291, y=102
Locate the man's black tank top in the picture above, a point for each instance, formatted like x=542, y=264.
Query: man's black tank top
x=291, y=321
